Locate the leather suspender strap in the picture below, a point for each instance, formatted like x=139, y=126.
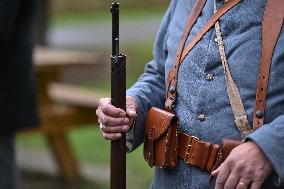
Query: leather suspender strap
x=193, y=15
x=271, y=28
x=173, y=74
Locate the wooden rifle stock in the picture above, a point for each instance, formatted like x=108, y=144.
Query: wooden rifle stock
x=118, y=98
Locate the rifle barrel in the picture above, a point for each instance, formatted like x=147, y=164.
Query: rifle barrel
x=118, y=99
x=115, y=28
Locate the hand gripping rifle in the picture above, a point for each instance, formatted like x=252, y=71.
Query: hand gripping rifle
x=118, y=99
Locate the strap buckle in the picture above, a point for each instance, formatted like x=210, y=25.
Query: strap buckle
x=187, y=150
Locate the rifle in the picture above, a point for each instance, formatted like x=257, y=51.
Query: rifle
x=118, y=98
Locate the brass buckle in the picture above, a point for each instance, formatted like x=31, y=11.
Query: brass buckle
x=190, y=139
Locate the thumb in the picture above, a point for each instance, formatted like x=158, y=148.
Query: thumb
x=131, y=109
x=131, y=113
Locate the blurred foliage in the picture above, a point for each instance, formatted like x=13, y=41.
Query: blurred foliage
x=99, y=16
x=138, y=55
x=91, y=5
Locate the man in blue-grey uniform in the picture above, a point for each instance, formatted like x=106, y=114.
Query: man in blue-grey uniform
x=203, y=105
x=17, y=95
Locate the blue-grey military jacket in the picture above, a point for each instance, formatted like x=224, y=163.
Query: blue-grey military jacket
x=201, y=86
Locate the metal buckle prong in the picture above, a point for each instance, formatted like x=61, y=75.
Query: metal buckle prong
x=187, y=150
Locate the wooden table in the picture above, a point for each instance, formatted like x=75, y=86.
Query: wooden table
x=63, y=106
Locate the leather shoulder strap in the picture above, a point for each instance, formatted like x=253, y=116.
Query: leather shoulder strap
x=271, y=28
x=173, y=74
x=192, y=17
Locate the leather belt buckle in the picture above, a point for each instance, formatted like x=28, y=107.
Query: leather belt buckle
x=187, y=150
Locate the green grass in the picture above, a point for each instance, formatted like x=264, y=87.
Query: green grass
x=90, y=147
x=104, y=16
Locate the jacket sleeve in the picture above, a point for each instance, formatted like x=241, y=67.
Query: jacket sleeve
x=149, y=90
x=270, y=137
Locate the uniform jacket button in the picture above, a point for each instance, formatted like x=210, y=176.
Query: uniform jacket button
x=172, y=89
x=216, y=40
x=201, y=117
x=209, y=77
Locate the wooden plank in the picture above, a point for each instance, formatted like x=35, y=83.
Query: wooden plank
x=58, y=119
x=63, y=107
x=44, y=56
x=75, y=95
x=64, y=157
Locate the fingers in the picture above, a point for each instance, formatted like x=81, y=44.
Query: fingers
x=110, y=116
x=245, y=167
x=115, y=121
x=115, y=129
x=224, y=172
x=258, y=180
x=233, y=180
x=111, y=136
x=243, y=183
x=105, y=106
x=256, y=185
x=111, y=121
x=215, y=172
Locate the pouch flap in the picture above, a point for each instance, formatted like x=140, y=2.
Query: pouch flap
x=158, y=119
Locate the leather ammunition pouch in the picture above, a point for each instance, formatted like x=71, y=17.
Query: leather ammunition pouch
x=163, y=144
x=160, y=145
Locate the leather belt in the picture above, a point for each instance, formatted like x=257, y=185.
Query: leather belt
x=204, y=155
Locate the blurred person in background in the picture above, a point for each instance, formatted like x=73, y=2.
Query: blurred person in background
x=17, y=93
x=202, y=103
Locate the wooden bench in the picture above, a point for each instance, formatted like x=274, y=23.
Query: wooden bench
x=63, y=106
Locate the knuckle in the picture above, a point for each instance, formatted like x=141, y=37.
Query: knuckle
x=105, y=135
x=259, y=176
x=221, y=180
x=104, y=108
x=232, y=161
x=249, y=173
x=118, y=121
x=107, y=122
x=124, y=121
x=104, y=120
x=229, y=161
x=240, y=166
x=106, y=129
x=101, y=101
x=117, y=129
x=98, y=111
x=108, y=136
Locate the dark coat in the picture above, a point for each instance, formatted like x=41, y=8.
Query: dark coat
x=17, y=95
